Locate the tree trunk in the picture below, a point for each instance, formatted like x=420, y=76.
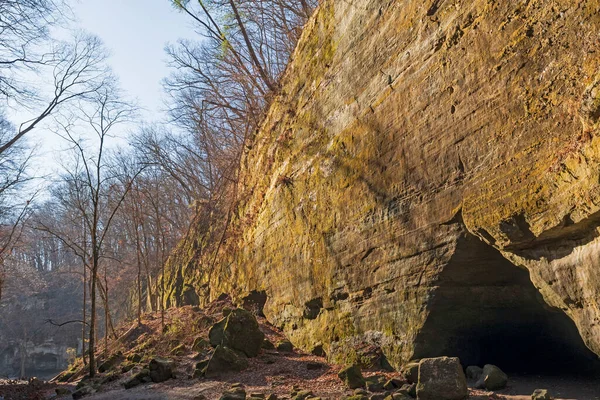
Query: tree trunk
x=23, y=356
x=93, y=315
x=84, y=312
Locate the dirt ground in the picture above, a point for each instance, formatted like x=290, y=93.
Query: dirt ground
x=271, y=372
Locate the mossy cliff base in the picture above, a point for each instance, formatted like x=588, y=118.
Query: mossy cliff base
x=427, y=183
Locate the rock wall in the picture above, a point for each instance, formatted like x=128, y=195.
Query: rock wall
x=413, y=145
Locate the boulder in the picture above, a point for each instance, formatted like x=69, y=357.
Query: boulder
x=238, y=331
x=200, y=344
x=492, y=378
x=223, y=360
x=236, y=393
x=110, y=362
x=352, y=377
x=411, y=371
x=303, y=394
x=135, y=357
x=160, y=369
x=441, y=378
x=409, y=389
x=474, y=372
x=268, y=345
x=541, y=394
x=285, y=346
x=82, y=391
x=200, y=368
x=375, y=383
x=398, y=396
x=141, y=377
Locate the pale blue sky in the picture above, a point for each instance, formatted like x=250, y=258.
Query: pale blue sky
x=135, y=33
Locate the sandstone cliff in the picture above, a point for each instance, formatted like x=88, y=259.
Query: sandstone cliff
x=427, y=167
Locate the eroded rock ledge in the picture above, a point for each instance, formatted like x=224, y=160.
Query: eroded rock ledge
x=414, y=144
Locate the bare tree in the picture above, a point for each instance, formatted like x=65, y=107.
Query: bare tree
x=78, y=71
x=88, y=193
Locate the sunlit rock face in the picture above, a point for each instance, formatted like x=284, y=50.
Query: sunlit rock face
x=430, y=170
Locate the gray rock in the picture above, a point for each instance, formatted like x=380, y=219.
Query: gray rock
x=239, y=330
x=160, y=369
x=409, y=389
x=474, y=372
x=82, y=391
x=411, y=371
x=352, y=377
x=285, y=346
x=141, y=377
x=375, y=383
x=541, y=394
x=441, y=378
x=234, y=394
x=225, y=360
x=492, y=378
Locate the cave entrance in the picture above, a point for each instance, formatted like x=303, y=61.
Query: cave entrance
x=485, y=310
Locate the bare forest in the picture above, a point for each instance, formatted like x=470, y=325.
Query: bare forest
x=83, y=249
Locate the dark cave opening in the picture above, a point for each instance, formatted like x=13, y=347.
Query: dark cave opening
x=485, y=310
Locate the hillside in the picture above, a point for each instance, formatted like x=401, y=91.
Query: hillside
x=278, y=371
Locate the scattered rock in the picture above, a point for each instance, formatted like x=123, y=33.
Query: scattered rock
x=352, y=377
x=492, y=378
x=238, y=331
x=225, y=360
x=200, y=344
x=474, y=372
x=135, y=357
x=267, y=344
x=82, y=391
x=441, y=378
x=303, y=394
x=398, y=396
x=113, y=376
x=411, y=371
x=200, y=368
x=257, y=395
x=393, y=384
x=541, y=394
x=285, y=346
x=160, y=370
x=236, y=393
x=318, y=351
x=141, y=377
x=409, y=389
x=375, y=383
x=357, y=397
x=110, y=362
x=127, y=367
x=62, y=391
